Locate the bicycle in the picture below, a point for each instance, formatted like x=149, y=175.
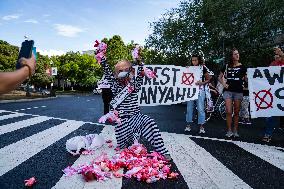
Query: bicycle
x=219, y=109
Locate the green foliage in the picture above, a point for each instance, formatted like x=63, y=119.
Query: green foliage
x=252, y=26
x=8, y=56
x=178, y=33
x=116, y=50
x=40, y=78
x=90, y=71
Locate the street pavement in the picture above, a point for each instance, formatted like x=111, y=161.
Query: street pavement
x=33, y=136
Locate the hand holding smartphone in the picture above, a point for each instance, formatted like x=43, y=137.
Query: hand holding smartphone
x=25, y=52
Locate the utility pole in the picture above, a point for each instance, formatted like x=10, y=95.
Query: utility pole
x=223, y=34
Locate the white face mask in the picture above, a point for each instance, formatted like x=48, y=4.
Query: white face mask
x=122, y=75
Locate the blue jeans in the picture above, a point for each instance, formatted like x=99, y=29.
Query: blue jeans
x=200, y=108
x=270, y=124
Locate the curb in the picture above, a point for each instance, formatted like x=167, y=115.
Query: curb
x=25, y=100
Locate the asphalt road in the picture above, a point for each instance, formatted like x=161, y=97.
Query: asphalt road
x=33, y=136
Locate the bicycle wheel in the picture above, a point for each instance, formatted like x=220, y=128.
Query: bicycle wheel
x=222, y=110
x=208, y=116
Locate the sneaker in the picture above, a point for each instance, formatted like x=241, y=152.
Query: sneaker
x=266, y=138
x=241, y=121
x=229, y=134
x=187, y=128
x=246, y=121
x=201, y=131
x=168, y=157
x=236, y=134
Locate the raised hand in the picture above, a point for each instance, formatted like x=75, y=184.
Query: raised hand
x=101, y=50
x=136, y=53
x=112, y=117
x=149, y=73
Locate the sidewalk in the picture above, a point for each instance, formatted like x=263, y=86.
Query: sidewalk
x=20, y=96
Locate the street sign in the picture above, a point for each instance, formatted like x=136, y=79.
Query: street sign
x=54, y=71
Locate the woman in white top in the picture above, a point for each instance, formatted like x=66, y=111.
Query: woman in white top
x=196, y=60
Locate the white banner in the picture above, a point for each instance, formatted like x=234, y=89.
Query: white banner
x=173, y=85
x=266, y=91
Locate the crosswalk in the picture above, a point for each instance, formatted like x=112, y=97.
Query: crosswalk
x=40, y=152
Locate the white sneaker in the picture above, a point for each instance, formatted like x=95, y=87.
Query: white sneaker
x=229, y=134
x=187, y=128
x=236, y=135
x=201, y=131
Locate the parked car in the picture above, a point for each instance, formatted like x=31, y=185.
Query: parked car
x=97, y=91
x=45, y=92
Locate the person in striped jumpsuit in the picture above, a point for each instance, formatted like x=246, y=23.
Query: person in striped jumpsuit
x=133, y=123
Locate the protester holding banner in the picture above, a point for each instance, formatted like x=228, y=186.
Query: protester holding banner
x=233, y=90
x=125, y=87
x=271, y=121
x=279, y=57
x=196, y=60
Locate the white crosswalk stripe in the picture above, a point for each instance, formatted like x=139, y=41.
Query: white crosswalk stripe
x=11, y=116
x=267, y=153
x=77, y=182
x=21, y=124
x=220, y=175
x=197, y=166
x=28, y=147
x=194, y=176
x=271, y=154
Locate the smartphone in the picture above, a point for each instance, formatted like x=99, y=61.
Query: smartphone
x=25, y=51
x=34, y=52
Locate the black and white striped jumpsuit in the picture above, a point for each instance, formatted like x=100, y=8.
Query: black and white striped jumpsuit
x=133, y=123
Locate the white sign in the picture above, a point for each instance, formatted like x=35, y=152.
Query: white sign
x=103, y=83
x=120, y=97
x=173, y=85
x=54, y=71
x=266, y=91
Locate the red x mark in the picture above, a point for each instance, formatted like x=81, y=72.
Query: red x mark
x=263, y=99
x=187, y=78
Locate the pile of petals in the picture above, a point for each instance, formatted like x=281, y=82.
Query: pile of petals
x=135, y=159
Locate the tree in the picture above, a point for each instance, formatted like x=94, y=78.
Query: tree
x=89, y=72
x=252, y=26
x=8, y=56
x=249, y=25
x=40, y=78
x=179, y=33
x=116, y=50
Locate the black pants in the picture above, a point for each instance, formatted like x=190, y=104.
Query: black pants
x=282, y=122
x=107, y=96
